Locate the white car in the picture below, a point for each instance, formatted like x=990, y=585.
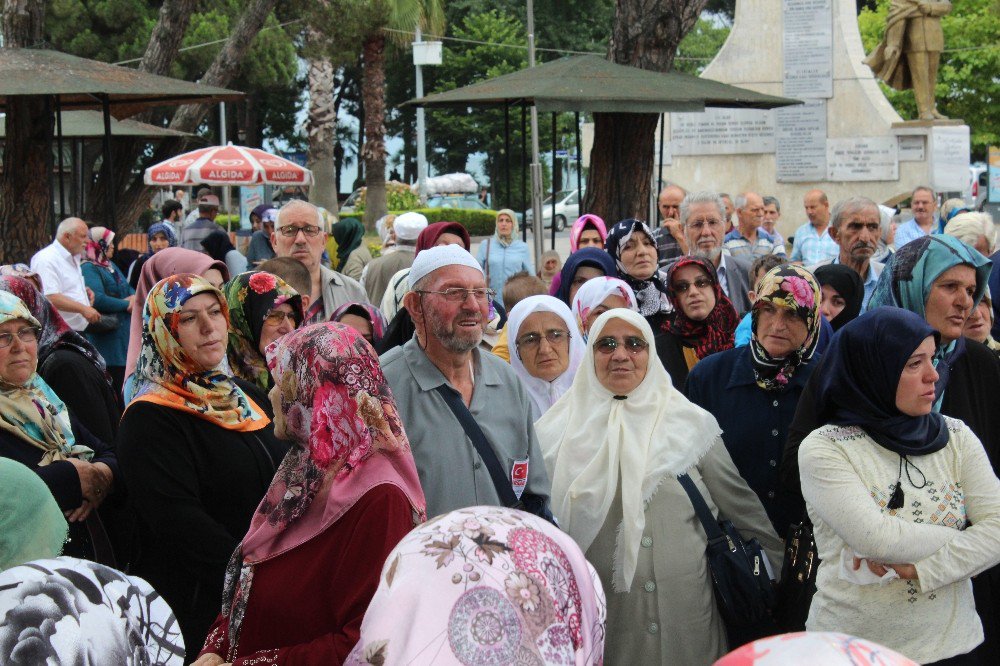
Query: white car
x=567, y=208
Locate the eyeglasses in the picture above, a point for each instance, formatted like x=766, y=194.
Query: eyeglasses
x=683, y=286
x=291, y=231
x=703, y=222
x=276, y=317
x=26, y=334
x=554, y=336
x=633, y=344
x=459, y=295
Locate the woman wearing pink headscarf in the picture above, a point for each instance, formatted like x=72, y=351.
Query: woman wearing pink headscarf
x=588, y=231
x=298, y=585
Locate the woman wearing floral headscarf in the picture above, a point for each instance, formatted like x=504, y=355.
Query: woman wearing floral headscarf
x=197, y=453
x=752, y=391
x=298, y=585
x=38, y=431
x=485, y=585
x=113, y=296
x=703, y=323
x=262, y=308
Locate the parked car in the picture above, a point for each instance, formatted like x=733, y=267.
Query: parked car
x=567, y=208
x=465, y=201
x=351, y=201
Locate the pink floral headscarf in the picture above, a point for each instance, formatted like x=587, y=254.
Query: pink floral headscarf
x=98, y=243
x=485, y=585
x=346, y=438
x=814, y=647
x=796, y=289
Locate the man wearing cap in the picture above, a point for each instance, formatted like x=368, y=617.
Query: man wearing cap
x=193, y=234
x=260, y=249
x=300, y=233
x=441, y=374
x=378, y=273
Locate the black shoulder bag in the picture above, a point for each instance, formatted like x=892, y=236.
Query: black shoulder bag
x=743, y=591
x=505, y=491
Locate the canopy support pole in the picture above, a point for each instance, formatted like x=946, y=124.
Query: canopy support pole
x=508, y=196
x=553, y=182
x=107, y=167
x=659, y=174
x=525, y=202
x=50, y=207
x=579, y=165
x=59, y=147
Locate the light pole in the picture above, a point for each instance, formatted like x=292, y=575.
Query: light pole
x=536, y=166
x=424, y=53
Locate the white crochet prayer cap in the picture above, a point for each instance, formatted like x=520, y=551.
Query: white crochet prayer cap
x=434, y=258
x=409, y=225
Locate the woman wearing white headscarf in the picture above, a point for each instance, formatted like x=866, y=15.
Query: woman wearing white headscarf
x=548, y=349
x=614, y=445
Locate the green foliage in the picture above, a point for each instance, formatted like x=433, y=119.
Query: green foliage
x=478, y=222
x=700, y=45
x=968, y=84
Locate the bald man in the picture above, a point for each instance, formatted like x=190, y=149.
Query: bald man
x=812, y=243
x=58, y=266
x=669, y=237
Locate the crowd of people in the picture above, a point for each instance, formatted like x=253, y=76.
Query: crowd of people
x=305, y=454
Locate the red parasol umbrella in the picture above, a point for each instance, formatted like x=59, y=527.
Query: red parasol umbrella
x=228, y=165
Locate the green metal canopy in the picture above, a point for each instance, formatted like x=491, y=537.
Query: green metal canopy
x=592, y=83
x=80, y=83
x=90, y=125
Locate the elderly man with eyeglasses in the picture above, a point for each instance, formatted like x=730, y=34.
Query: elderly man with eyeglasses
x=466, y=414
x=299, y=234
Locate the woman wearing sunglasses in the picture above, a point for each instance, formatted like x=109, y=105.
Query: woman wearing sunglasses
x=262, y=308
x=614, y=445
x=703, y=321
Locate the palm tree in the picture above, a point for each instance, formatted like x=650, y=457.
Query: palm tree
x=392, y=20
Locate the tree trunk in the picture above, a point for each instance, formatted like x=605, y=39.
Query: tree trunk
x=221, y=73
x=321, y=127
x=645, y=34
x=25, y=195
x=373, y=153
x=164, y=45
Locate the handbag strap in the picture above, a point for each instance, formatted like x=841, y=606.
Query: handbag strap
x=708, y=520
x=500, y=481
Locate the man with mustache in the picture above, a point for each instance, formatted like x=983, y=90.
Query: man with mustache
x=856, y=226
x=441, y=376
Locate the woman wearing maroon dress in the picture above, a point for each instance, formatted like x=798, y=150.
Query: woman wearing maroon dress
x=347, y=492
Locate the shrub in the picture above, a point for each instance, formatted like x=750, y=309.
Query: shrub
x=477, y=222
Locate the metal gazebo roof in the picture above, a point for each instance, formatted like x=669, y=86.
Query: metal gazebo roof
x=90, y=125
x=80, y=83
x=592, y=83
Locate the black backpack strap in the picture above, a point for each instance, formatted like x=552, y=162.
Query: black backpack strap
x=500, y=479
x=708, y=520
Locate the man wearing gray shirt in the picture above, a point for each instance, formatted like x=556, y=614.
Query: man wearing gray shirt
x=450, y=304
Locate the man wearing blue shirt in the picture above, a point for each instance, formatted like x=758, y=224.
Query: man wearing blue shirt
x=923, y=203
x=856, y=225
x=749, y=239
x=812, y=243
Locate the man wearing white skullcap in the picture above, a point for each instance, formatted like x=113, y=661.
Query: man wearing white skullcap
x=441, y=376
x=378, y=273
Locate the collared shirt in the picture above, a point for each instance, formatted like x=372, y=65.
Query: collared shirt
x=811, y=248
x=721, y=271
x=738, y=245
x=61, y=274
x=874, y=270
x=909, y=231
x=667, y=247
x=451, y=471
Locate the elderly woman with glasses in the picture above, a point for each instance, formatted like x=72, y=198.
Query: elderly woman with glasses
x=548, y=348
x=37, y=431
x=614, y=446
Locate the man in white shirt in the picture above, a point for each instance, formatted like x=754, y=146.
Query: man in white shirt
x=58, y=266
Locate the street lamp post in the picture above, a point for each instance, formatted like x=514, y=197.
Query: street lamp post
x=424, y=53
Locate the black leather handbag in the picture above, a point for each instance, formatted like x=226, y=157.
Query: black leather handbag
x=798, y=578
x=106, y=324
x=744, y=593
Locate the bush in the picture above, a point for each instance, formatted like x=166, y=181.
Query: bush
x=477, y=222
x=398, y=196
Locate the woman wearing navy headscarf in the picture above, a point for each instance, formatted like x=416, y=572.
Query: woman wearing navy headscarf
x=581, y=266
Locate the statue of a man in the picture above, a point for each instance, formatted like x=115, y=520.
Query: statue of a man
x=913, y=30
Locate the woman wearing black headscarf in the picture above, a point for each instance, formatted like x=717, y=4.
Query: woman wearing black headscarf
x=842, y=293
x=630, y=243
x=219, y=247
x=904, y=502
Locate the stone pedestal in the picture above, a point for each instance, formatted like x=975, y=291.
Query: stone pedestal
x=846, y=140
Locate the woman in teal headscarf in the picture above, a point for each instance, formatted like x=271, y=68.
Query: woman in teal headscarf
x=31, y=524
x=352, y=253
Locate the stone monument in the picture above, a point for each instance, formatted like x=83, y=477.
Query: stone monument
x=845, y=139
